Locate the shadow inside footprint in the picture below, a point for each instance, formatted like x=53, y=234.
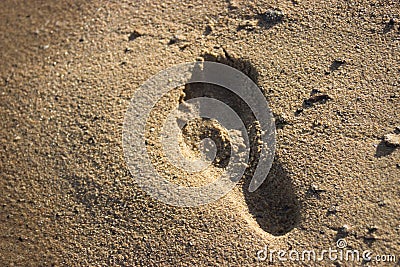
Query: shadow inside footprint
x=274, y=204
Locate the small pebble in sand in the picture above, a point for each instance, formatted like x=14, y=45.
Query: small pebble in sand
x=344, y=230
x=248, y=25
x=339, y=61
x=208, y=30
x=233, y=4
x=298, y=111
x=134, y=35
x=333, y=209
x=336, y=64
x=392, y=21
x=321, y=99
x=382, y=203
x=176, y=39
x=315, y=190
x=370, y=238
x=392, y=139
x=91, y=141
x=273, y=16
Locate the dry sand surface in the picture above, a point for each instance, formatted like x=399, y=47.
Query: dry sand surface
x=330, y=71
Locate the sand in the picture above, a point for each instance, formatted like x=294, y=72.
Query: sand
x=329, y=70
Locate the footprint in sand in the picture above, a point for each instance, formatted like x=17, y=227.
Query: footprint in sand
x=205, y=146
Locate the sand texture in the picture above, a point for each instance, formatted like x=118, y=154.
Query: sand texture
x=330, y=71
